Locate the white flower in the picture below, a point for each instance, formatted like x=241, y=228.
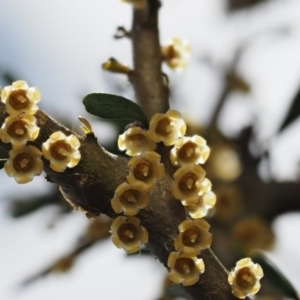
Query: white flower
x=145, y=170
x=188, y=183
x=19, y=131
x=201, y=207
x=135, y=141
x=245, y=277
x=193, y=234
x=176, y=54
x=166, y=128
x=129, y=200
x=189, y=150
x=24, y=163
x=62, y=151
x=185, y=267
x=127, y=233
x=20, y=99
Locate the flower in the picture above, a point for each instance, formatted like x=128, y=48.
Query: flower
x=127, y=233
x=129, y=200
x=18, y=131
x=20, y=99
x=188, y=183
x=136, y=141
x=253, y=233
x=189, y=150
x=62, y=151
x=193, y=234
x=245, y=277
x=185, y=267
x=166, y=128
x=201, y=207
x=225, y=163
x=176, y=54
x=145, y=170
x=230, y=202
x=138, y=4
x=24, y=163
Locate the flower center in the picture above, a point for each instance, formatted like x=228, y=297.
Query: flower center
x=129, y=197
x=143, y=170
x=17, y=129
x=60, y=150
x=191, y=236
x=23, y=162
x=187, y=151
x=172, y=52
x=18, y=99
x=164, y=127
x=136, y=139
x=127, y=233
x=245, y=278
x=184, y=265
x=187, y=183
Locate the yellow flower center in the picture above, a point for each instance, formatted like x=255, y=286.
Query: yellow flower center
x=60, y=150
x=129, y=197
x=187, y=183
x=164, y=127
x=18, y=99
x=245, y=278
x=143, y=170
x=23, y=162
x=184, y=265
x=127, y=233
x=17, y=129
x=191, y=236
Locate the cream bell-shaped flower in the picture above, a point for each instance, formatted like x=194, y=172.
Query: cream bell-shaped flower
x=129, y=200
x=127, y=233
x=244, y=278
x=135, y=141
x=166, y=128
x=62, y=151
x=20, y=99
x=185, y=267
x=202, y=206
x=189, y=150
x=145, y=170
x=19, y=131
x=188, y=183
x=193, y=234
x=24, y=163
x=176, y=54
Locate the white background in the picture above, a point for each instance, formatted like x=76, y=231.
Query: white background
x=59, y=46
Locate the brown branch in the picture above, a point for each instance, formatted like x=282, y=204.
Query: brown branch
x=147, y=80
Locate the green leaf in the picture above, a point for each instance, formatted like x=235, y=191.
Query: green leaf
x=274, y=275
x=293, y=113
x=109, y=106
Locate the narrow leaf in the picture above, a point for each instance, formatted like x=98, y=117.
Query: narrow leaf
x=109, y=106
x=274, y=275
x=293, y=113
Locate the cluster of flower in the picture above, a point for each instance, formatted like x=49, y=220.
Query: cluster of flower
x=20, y=127
x=189, y=186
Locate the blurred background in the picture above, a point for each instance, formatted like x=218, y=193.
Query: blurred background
x=241, y=91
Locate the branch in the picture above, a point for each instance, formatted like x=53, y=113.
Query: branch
x=147, y=80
